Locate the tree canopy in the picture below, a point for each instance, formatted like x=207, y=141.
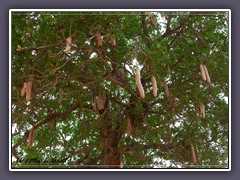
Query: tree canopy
x=76, y=102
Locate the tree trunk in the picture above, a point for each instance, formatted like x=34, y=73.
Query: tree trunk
x=112, y=158
x=110, y=139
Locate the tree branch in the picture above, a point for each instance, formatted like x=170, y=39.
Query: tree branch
x=58, y=115
x=109, y=78
x=37, y=48
x=168, y=24
x=136, y=145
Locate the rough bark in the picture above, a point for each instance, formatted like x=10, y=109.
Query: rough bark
x=110, y=139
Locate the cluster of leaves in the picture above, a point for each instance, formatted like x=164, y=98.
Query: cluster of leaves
x=163, y=127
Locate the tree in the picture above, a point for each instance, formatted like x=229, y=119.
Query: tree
x=85, y=108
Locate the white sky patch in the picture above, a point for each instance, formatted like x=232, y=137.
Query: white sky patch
x=93, y=55
x=165, y=163
x=68, y=137
x=131, y=66
x=160, y=18
x=177, y=124
x=222, y=96
x=87, y=42
x=161, y=21
x=34, y=52
x=14, y=159
x=128, y=68
x=136, y=63
x=14, y=127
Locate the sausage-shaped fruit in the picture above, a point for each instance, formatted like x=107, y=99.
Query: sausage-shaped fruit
x=29, y=88
x=139, y=84
x=69, y=41
x=99, y=39
x=121, y=163
x=198, y=109
x=203, y=111
x=207, y=74
x=113, y=42
x=24, y=89
x=31, y=137
x=154, y=85
x=166, y=89
x=152, y=21
x=202, y=72
x=101, y=101
x=94, y=104
x=68, y=45
x=194, y=159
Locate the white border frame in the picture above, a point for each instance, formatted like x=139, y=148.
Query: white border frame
x=117, y=10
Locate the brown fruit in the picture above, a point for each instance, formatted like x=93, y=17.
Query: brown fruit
x=198, y=109
x=24, y=89
x=67, y=49
x=223, y=89
x=121, y=163
x=99, y=39
x=154, y=85
x=113, y=42
x=194, y=159
x=68, y=45
x=166, y=89
x=152, y=21
x=94, y=104
x=139, y=84
x=201, y=110
x=101, y=101
x=206, y=74
x=202, y=72
x=69, y=41
x=122, y=73
x=31, y=137
x=29, y=88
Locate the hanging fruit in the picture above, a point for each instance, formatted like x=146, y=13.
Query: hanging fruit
x=68, y=45
x=166, y=88
x=24, y=89
x=121, y=163
x=207, y=74
x=99, y=39
x=31, y=137
x=202, y=72
x=139, y=84
x=101, y=101
x=154, y=85
x=152, y=21
x=200, y=108
x=113, y=42
x=194, y=159
x=29, y=88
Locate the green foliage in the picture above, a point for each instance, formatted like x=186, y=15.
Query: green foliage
x=162, y=128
